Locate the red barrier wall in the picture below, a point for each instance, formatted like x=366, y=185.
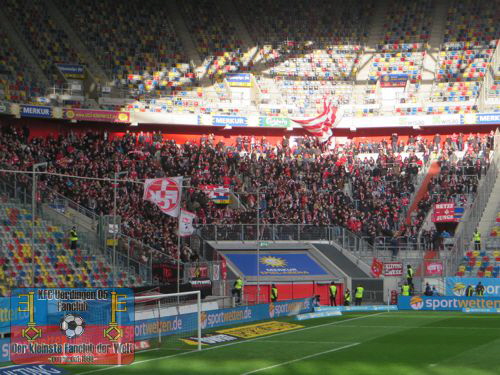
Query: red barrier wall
x=288, y=291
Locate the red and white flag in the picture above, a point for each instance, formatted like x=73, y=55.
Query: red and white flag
x=321, y=125
x=165, y=193
x=186, y=223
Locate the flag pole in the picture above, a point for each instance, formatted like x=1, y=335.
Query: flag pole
x=178, y=256
x=179, y=244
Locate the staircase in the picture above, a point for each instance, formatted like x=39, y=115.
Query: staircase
x=92, y=67
x=183, y=33
x=434, y=170
x=341, y=261
x=241, y=30
x=491, y=211
x=436, y=38
x=23, y=49
x=375, y=35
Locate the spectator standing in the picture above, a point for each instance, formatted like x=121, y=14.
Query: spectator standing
x=274, y=293
x=358, y=295
x=405, y=290
x=409, y=276
x=73, y=238
x=333, y=294
x=469, y=291
x=237, y=289
x=479, y=289
x=477, y=240
x=347, y=297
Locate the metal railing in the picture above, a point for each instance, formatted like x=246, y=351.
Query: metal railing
x=470, y=221
x=18, y=188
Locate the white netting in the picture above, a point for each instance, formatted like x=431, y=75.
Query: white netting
x=169, y=320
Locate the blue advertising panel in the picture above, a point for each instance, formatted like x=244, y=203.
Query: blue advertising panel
x=36, y=111
x=229, y=121
x=33, y=370
x=276, y=264
x=393, y=80
x=4, y=350
x=169, y=325
x=239, y=79
x=447, y=303
x=8, y=316
x=455, y=286
x=72, y=71
x=61, y=319
x=488, y=118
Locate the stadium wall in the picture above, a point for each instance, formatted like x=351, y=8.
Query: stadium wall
x=182, y=133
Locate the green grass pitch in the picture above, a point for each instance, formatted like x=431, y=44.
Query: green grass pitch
x=389, y=343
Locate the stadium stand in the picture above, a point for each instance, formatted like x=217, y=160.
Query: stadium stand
x=17, y=83
x=56, y=264
x=141, y=53
x=50, y=44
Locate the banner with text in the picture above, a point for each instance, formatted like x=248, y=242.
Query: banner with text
x=72, y=71
x=447, y=303
x=393, y=269
x=218, y=193
x=433, y=268
x=455, y=286
x=36, y=111
x=229, y=121
x=274, y=122
x=169, y=325
x=96, y=115
x=393, y=80
x=447, y=212
x=239, y=79
x=277, y=264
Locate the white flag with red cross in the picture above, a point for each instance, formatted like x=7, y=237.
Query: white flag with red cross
x=165, y=193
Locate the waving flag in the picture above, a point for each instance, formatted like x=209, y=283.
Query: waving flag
x=165, y=193
x=321, y=125
x=186, y=223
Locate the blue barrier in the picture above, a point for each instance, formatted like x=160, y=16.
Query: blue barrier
x=33, y=370
x=447, y=303
x=455, y=286
x=487, y=311
x=316, y=315
x=169, y=325
x=357, y=308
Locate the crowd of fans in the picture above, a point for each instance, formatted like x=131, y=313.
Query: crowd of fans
x=363, y=186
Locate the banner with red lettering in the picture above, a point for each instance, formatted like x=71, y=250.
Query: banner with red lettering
x=447, y=212
x=393, y=269
x=377, y=267
x=433, y=268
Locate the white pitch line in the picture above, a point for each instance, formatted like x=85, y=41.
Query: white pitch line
x=232, y=343
x=306, y=342
x=302, y=358
x=420, y=327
